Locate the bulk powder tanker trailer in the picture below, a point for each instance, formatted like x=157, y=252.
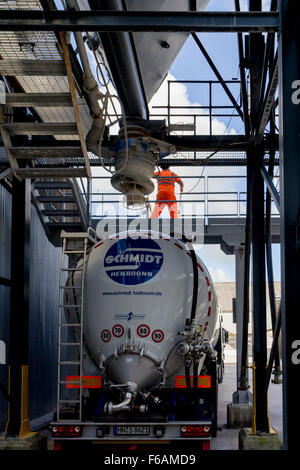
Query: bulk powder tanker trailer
x=149, y=348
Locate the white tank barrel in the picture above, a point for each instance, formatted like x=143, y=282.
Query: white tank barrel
x=138, y=294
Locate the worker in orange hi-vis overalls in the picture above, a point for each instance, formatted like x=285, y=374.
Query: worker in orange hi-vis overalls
x=166, y=180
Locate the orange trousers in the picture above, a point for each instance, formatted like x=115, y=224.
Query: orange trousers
x=159, y=206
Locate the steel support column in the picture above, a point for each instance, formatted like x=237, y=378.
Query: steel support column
x=255, y=155
x=289, y=84
x=260, y=404
x=18, y=425
x=242, y=395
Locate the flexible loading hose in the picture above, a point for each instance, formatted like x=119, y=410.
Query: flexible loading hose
x=187, y=377
x=195, y=282
x=192, y=317
x=195, y=376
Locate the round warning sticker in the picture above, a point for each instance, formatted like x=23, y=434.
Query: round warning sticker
x=118, y=331
x=143, y=331
x=105, y=336
x=158, y=336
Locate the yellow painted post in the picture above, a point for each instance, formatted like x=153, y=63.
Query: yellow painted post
x=8, y=405
x=254, y=403
x=254, y=400
x=25, y=426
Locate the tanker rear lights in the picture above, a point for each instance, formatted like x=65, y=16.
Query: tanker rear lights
x=195, y=431
x=204, y=381
x=66, y=431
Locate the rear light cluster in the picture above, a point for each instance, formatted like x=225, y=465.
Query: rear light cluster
x=195, y=431
x=66, y=431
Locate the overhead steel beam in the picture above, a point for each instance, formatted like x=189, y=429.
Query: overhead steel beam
x=214, y=142
x=108, y=21
x=187, y=162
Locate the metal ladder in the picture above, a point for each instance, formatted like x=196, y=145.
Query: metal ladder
x=75, y=243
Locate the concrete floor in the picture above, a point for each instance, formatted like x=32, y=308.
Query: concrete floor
x=227, y=439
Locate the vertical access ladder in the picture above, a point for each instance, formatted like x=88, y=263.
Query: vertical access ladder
x=69, y=392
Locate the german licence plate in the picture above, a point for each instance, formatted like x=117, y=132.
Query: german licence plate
x=132, y=430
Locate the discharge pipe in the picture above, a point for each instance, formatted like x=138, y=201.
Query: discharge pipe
x=130, y=394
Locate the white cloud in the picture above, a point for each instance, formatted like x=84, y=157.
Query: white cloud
x=180, y=97
x=218, y=275
x=221, y=267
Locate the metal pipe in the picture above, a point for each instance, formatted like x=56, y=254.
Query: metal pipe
x=130, y=394
x=269, y=256
x=111, y=408
x=271, y=187
x=121, y=56
x=260, y=414
x=274, y=350
x=95, y=134
x=90, y=83
x=243, y=381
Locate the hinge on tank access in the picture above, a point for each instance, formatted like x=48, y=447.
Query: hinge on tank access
x=140, y=348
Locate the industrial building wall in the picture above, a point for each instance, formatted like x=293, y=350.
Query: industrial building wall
x=43, y=333
x=44, y=281
x=226, y=293
x=5, y=225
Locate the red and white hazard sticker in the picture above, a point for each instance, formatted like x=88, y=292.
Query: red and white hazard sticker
x=158, y=336
x=143, y=331
x=118, y=330
x=105, y=336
